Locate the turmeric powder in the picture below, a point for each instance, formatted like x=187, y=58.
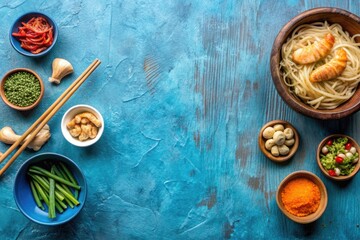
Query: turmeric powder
x=301, y=197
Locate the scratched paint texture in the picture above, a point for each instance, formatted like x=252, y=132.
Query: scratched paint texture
x=184, y=87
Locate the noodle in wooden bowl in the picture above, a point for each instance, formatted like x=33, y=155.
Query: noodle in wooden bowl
x=336, y=96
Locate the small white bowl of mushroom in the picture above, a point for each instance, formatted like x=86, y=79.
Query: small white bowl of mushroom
x=82, y=125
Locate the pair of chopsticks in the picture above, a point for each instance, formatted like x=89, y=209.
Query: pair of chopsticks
x=34, y=129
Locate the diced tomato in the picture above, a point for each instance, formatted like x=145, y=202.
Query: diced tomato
x=348, y=146
x=339, y=159
x=332, y=172
x=329, y=142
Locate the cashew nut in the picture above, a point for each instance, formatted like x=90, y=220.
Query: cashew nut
x=275, y=151
x=268, y=132
x=269, y=144
x=283, y=150
x=289, y=134
x=279, y=138
x=278, y=127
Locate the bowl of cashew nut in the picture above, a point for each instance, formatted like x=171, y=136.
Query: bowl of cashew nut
x=278, y=140
x=82, y=125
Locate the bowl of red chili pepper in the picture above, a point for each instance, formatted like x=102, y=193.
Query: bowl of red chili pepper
x=338, y=157
x=33, y=34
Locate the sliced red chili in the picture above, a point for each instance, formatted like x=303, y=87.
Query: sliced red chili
x=36, y=35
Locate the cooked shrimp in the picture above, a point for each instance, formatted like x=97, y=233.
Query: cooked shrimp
x=314, y=52
x=85, y=132
x=71, y=124
x=332, y=69
x=76, y=131
x=89, y=116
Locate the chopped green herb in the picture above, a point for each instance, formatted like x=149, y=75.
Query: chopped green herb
x=22, y=89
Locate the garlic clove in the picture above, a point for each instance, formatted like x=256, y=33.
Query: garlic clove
x=60, y=68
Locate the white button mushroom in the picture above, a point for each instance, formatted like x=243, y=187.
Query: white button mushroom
x=349, y=154
x=289, y=133
x=289, y=142
x=353, y=150
x=278, y=127
x=268, y=132
x=355, y=160
x=341, y=155
x=269, y=144
x=283, y=150
x=325, y=150
x=275, y=151
x=279, y=138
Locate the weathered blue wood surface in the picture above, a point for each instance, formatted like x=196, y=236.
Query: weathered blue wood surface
x=184, y=87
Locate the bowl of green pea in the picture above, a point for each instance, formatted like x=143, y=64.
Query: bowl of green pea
x=21, y=89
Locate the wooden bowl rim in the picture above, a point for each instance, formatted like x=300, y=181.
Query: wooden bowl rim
x=318, y=151
x=293, y=149
x=7, y=102
x=282, y=89
x=323, y=199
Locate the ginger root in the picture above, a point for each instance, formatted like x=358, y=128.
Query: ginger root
x=8, y=136
x=84, y=126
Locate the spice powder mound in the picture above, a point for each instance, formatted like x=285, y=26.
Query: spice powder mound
x=301, y=197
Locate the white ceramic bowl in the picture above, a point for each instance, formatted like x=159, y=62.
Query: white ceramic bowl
x=70, y=114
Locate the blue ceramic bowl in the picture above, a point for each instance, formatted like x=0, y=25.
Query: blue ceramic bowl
x=24, y=18
x=24, y=198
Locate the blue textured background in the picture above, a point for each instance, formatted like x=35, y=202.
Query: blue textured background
x=184, y=88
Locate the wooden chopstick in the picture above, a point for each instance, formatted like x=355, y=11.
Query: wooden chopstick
x=42, y=117
x=35, y=128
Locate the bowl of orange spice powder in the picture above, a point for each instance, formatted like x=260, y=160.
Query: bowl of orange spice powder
x=302, y=197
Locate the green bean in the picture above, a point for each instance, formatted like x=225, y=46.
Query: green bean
x=55, y=186
x=46, y=185
x=66, y=194
x=44, y=172
x=61, y=174
x=52, y=213
x=70, y=177
x=41, y=192
x=58, y=206
x=35, y=195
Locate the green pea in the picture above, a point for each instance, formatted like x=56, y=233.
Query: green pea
x=22, y=89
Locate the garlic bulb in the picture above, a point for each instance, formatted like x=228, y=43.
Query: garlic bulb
x=61, y=68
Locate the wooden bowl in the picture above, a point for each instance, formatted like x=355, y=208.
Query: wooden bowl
x=324, y=171
x=323, y=197
x=7, y=102
x=262, y=140
x=351, y=24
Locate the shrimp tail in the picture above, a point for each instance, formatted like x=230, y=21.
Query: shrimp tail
x=334, y=68
x=314, y=52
